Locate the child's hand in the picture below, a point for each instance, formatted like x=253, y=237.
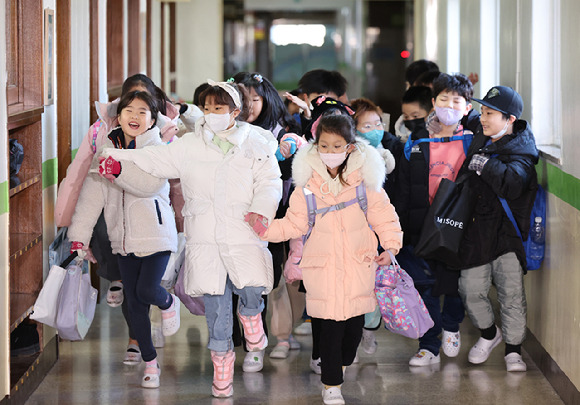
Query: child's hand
x=109, y=168
x=433, y=124
x=285, y=149
x=383, y=259
x=299, y=102
x=473, y=78
x=258, y=223
x=84, y=252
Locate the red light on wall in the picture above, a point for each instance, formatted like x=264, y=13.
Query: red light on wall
x=405, y=54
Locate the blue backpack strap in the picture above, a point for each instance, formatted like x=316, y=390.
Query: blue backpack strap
x=510, y=215
x=466, y=138
x=311, y=207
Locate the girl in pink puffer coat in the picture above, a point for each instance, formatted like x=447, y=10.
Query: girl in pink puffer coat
x=340, y=256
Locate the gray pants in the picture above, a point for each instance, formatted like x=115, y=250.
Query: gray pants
x=507, y=276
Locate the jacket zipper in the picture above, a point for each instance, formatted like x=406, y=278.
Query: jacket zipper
x=124, y=215
x=158, y=212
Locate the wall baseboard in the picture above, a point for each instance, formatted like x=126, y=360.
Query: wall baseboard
x=553, y=373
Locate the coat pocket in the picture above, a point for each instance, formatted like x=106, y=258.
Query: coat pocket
x=365, y=256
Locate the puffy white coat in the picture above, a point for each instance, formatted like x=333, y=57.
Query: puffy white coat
x=137, y=211
x=219, y=190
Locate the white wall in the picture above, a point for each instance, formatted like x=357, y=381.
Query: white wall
x=4, y=249
x=199, y=44
x=570, y=33
x=80, y=72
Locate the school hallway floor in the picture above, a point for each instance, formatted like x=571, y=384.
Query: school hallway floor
x=92, y=372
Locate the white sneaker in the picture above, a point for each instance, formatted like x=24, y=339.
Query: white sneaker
x=482, y=348
x=424, y=358
x=305, y=328
x=332, y=396
x=514, y=362
x=281, y=350
x=253, y=362
x=369, y=342
x=157, y=335
x=132, y=355
x=170, y=317
x=451, y=343
x=315, y=366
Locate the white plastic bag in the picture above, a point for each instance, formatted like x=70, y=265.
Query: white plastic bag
x=46, y=305
x=77, y=303
x=174, y=264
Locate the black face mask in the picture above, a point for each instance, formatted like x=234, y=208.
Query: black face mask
x=414, y=124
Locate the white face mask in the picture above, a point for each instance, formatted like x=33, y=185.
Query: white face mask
x=218, y=122
x=501, y=133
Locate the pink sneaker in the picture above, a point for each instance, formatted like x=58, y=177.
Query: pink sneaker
x=254, y=332
x=223, y=374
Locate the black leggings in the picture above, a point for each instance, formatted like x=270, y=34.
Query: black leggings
x=141, y=278
x=337, y=344
x=108, y=266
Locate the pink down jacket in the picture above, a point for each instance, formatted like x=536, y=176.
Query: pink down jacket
x=70, y=187
x=337, y=261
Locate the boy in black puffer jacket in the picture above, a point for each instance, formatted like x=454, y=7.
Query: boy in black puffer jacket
x=503, y=154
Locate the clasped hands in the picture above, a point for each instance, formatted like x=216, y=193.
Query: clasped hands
x=258, y=222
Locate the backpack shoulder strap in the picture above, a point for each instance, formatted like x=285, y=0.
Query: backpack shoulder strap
x=361, y=196
x=311, y=207
x=361, y=199
x=510, y=215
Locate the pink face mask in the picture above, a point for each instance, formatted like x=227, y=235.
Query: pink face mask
x=332, y=160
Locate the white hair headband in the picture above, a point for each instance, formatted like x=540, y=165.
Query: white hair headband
x=231, y=90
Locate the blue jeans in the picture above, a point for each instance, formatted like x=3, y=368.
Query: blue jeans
x=141, y=278
x=447, y=318
x=218, y=313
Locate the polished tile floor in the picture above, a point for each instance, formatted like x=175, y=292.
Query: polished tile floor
x=92, y=372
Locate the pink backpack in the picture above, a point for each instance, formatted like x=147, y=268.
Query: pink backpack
x=401, y=306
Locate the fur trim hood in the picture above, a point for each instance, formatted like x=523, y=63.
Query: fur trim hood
x=364, y=158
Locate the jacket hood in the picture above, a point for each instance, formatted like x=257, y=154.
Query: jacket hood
x=364, y=158
x=150, y=137
x=523, y=143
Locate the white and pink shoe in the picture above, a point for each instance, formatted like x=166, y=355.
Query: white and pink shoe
x=223, y=374
x=170, y=319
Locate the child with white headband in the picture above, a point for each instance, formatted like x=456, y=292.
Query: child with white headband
x=228, y=171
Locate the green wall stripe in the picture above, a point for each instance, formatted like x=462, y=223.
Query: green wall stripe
x=4, y=197
x=563, y=185
x=49, y=173
x=73, y=154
